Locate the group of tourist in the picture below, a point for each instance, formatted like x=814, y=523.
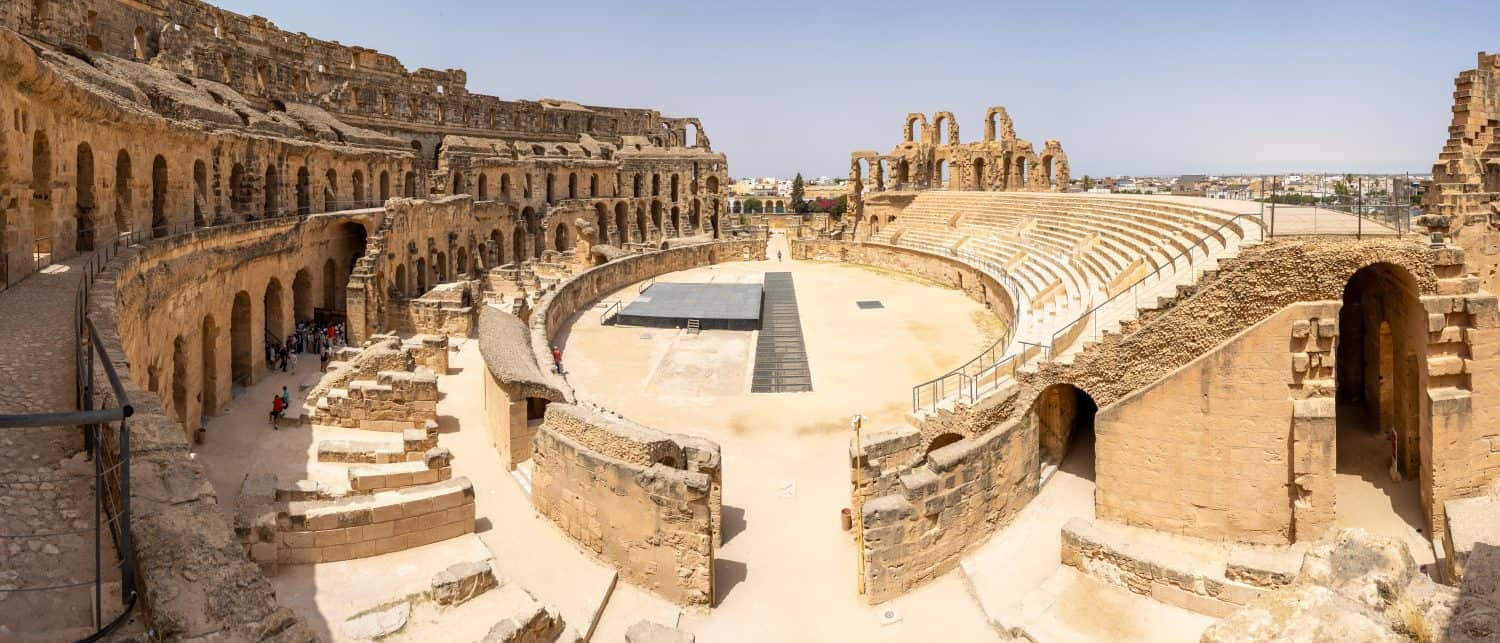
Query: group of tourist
x=308, y=337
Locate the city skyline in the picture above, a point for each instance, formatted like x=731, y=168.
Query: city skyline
x=1341, y=86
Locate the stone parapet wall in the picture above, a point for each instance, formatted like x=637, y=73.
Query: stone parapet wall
x=657, y=521
x=357, y=526
x=193, y=575
x=970, y=488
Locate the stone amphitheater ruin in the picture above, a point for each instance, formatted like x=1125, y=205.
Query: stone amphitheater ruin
x=1089, y=417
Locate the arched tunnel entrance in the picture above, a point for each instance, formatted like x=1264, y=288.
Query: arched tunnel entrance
x=1382, y=476
x=1064, y=417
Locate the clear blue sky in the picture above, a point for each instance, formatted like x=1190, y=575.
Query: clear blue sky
x=1152, y=87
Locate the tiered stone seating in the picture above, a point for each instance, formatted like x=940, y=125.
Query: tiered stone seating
x=1069, y=252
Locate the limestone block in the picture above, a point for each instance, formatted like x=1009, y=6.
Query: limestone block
x=1301, y=329
x=462, y=581
x=647, y=632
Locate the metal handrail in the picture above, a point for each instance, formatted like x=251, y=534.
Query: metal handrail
x=969, y=388
x=1187, y=253
x=613, y=306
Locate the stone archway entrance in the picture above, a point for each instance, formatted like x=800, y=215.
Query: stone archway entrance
x=1064, y=417
x=1382, y=472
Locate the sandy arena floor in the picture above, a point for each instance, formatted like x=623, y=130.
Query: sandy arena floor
x=786, y=571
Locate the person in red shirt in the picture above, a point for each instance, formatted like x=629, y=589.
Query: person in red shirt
x=278, y=406
x=557, y=360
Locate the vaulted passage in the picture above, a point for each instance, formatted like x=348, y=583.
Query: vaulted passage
x=1064, y=417
x=1383, y=480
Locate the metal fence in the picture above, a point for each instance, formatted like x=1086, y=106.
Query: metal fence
x=986, y=371
x=101, y=422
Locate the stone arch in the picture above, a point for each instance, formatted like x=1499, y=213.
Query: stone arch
x=41, y=184
x=1020, y=172
x=402, y=286
x=676, y=189
x=978, y=172
x=1007, y=130
x=560, y=240
x=330, y=284
x=302, y=306
x=912, y=133
x=272, y=191
x=330, y=190
x=484, y=187
x=942, y=440
x=209, y=356
x=572, y=185
x=601, y=222
x=593, y=185
x=304, y=199
x=641, y=223
x=409, y=185
x=238, y=197
x=941, y=122
x=622, y=223
x=1064, y=417
x=179, y=380
x=357, y=181
x=636, y=185
x=655, y=185
x=712, y=185
x=903, y=173
x=240, y=319
x=421, y=276
x=656, y=217
x=200, y=192
x=505, y=186
x=462, y=255
x=940, y=174
x=549, y=188
x=497, y=248
x=1381, y=382
x=83, y=199
x=385, y=186
x=122, y=192
x=676, y=221
x=138, y=43
x=274, y=312
x=517, y=245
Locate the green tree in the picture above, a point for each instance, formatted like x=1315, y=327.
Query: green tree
x=798, y=191
x=840, y=205
x=753, y=205
x=1088, y=183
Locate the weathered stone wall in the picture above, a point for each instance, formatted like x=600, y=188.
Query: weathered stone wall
x=262, y=61
x=1218, y=444
x=357, y=526
x=970, y=488
x=642, y=500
